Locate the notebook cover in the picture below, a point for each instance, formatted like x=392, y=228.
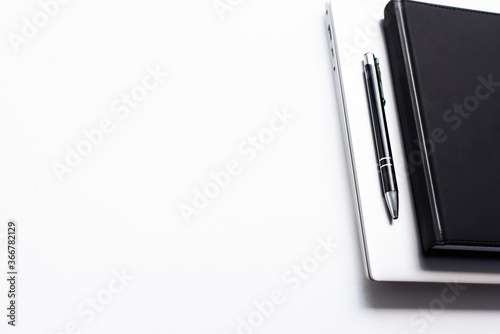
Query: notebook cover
x=446, y=71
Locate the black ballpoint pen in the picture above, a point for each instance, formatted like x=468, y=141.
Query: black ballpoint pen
x=377, y=102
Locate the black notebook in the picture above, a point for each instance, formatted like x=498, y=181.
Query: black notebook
x=446, y=69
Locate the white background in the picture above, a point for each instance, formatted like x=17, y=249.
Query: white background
x=119, y=209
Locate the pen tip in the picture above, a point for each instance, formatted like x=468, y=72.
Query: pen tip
x=391, y=198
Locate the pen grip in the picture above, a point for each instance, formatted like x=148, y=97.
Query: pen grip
x=388, y=176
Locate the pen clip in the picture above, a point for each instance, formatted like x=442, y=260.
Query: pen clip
x=379, y=77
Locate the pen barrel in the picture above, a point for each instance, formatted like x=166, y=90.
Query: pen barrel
x=380, y=131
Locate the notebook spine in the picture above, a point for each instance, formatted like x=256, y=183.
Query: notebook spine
x=412, y=125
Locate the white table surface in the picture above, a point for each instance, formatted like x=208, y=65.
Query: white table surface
x=118, y=210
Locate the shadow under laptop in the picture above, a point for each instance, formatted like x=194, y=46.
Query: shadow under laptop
x=432, y=296
x=438, y=296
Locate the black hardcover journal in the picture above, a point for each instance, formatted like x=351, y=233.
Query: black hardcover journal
x=446, y=70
